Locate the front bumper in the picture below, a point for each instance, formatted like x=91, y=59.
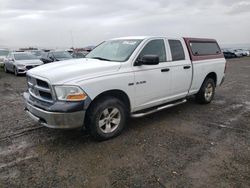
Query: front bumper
x=23, y=70
x=58, y=120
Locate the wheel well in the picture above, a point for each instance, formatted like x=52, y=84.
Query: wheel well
x=213, y=76
x=121, y=95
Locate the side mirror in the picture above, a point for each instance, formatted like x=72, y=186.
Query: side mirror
x=148, y=60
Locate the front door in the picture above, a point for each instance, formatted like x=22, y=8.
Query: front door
x=152, y=82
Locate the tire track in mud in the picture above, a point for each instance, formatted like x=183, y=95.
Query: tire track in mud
x=20, y=133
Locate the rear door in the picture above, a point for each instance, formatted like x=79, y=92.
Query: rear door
x=152, y=82
x=181, y=69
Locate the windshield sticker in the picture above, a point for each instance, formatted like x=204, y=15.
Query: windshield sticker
x=129, y=42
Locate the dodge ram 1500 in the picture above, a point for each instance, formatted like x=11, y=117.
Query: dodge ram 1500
x=122, y=77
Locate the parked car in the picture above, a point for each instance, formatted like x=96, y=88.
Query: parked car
x=77, y=55
x=20, y=62
x=52, y=56
x=228, y=54
x=237, y=53
x=71, y=50
x=37, y=53
x=133, y=76
x=3, y=54
x=242, y=52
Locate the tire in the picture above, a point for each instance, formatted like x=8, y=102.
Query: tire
x=5, y=69
x=15, y=71
x=207, y=91
x=106, y=118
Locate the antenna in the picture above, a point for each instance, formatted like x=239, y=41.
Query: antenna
x=72, y=39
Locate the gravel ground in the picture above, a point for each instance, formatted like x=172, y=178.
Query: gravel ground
x=190, y=145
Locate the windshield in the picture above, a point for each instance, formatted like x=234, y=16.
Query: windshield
x=4, y=52
x=114, y=50
x=24, y=56
x=37, y=53
x=62, y=55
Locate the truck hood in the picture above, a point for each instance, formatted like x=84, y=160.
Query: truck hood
x=74, y=70
x=29, y=62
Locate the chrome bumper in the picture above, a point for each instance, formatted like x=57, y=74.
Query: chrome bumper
x=58, y=120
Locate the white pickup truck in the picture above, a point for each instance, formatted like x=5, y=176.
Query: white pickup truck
x=122, y=77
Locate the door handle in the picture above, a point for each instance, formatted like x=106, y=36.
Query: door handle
x=187, y=67
x=165, y=70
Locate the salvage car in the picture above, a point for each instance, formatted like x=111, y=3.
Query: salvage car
x=242, y=52
x=20, y=62
x=3, y=54
x=131, y=76
x=37, y=53
x=52, y=56
x=228, y=54
x=77, y=55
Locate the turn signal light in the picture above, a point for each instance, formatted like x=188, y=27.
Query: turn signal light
x=77, y=97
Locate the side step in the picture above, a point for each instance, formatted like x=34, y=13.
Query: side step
x=137, y=115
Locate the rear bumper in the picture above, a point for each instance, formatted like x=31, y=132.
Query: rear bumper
x=58, y=120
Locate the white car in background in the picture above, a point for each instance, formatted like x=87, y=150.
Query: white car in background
x=3, y=54
x=20, y=62
x=242, y=52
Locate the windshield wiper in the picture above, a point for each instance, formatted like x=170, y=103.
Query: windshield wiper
x=101, y=58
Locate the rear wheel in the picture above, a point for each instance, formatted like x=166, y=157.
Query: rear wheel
x=106, y=118
x=207, y=91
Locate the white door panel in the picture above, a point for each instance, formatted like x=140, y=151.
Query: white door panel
x=181, y=78
x=152, y=85
x=152, y=82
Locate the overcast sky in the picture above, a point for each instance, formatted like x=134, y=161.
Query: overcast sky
x=51, y=23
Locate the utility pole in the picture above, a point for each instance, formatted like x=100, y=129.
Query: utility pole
x=72, y=39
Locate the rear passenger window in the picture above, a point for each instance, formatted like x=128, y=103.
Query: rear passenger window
x=155, y=47
x=205, y=48
x=176, y=50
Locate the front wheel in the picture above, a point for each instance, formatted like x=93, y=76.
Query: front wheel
x=106, y=118
x=5, y=69
x=15, y=71
x=207, y=91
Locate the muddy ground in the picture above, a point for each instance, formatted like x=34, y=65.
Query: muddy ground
x=190, y=145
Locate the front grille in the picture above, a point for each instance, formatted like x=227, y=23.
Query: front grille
x=40, y=89
x=30, y=67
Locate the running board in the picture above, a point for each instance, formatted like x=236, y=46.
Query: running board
x=158, y=109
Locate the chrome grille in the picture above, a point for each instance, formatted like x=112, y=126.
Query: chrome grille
x=40, y=89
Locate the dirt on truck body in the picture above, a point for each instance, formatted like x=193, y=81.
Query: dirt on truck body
x=190, y=145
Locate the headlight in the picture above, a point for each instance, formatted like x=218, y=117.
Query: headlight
x=70, y=93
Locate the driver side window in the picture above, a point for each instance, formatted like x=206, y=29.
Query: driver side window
x=154, y=47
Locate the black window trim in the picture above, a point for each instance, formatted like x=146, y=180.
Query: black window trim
x=171, y=51
x=146, y=42
x=204, y=42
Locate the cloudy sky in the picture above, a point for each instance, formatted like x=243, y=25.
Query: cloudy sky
x=61, y=23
